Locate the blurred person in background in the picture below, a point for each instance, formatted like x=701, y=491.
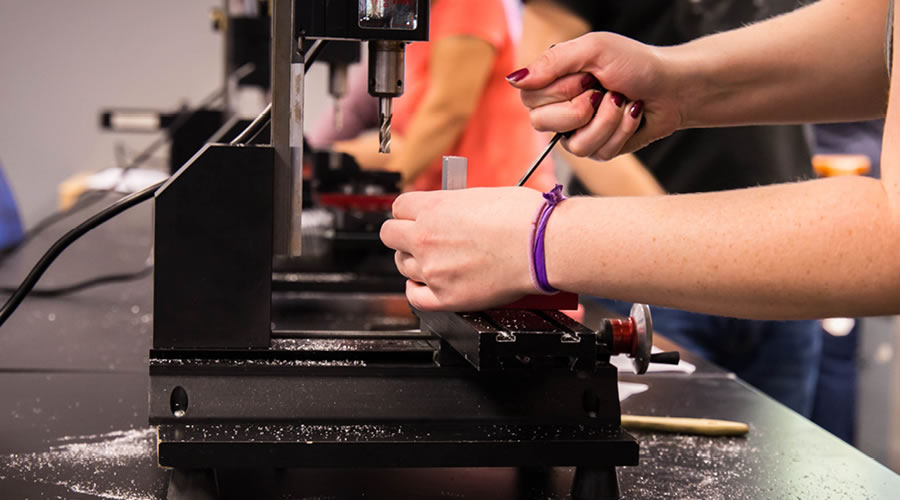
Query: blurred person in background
x=781, y=358
x=836, y=391
x=11, y=232
x=456, y=102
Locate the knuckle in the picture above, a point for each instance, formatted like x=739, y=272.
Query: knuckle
x=385, y=231
x=396, y=205
x=451, y=299
x=427, y=273
x=584, y=112
x=398, y=260
x=548, y=58
x=526, y=98
x=578, y=148
x=424, y=240
x=537, y=122
x=601, y=155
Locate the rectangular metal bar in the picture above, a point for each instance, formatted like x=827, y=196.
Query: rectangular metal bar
x=287, y=116
x=453, y=175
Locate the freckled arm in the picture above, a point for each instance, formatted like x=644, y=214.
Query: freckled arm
x=804, y=250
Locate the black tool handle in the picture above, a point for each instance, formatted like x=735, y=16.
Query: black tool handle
x=666, y=358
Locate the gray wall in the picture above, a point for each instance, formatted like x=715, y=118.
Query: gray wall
x=61, y=61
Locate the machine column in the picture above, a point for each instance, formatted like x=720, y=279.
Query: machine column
x=287, y=130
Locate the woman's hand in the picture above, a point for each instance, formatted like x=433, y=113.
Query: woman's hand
x=364, y=149
x=559, y=90
x=464, y=250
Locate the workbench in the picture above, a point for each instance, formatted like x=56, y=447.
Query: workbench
x=73, y=412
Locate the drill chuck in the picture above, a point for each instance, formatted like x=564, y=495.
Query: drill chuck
x=386, y=67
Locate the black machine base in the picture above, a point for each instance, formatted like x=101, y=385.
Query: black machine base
x=427, y=444
x=589, y=483
x=382, y=401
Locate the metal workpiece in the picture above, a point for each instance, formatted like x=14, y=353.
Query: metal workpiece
x=454, y=172
x=386, y=73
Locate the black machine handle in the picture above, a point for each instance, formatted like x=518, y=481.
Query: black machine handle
x=666, y=358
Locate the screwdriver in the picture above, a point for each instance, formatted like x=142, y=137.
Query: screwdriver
x=540, y=158
x=553, y=142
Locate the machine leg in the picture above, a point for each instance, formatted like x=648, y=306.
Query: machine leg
x=192, y=484
x=225, y=484
x=595, y=483
x=534, y=483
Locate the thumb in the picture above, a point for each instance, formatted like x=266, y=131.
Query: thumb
x=558, y=61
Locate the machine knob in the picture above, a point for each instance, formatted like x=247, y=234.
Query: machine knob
x=633, y=336
x=666, y=358
x=643, y=337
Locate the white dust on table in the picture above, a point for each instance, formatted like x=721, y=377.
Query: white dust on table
x=102, y=465
x=711, y=468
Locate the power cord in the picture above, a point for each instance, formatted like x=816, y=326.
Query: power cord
x=115, y=209
x=84, y=285
x=143, y=156
x=61, y=244
x=94, y=196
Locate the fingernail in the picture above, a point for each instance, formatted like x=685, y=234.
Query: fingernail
x=596, y=98
x=588, y=81
x=636, y=109
x=517, y=75
x=618, y=98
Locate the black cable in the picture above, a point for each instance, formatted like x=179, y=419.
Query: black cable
x=252, y=140
x=67, y=239
x=93, y=196
x=265, y=116
x=85, y=200
x=84, y=285
x=255, y=126
x=27, y=286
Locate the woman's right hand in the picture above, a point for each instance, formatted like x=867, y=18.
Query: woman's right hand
x=559, y=90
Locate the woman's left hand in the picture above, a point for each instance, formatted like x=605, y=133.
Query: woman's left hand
x=464, y=250
x=364, y=149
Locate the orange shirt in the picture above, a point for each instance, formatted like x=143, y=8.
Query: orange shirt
x=498, y=139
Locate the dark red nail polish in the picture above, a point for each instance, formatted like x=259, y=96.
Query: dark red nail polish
x=596, y=98
x=636, y=109
x=618, y=98
x=517, y=75
x=588, y=81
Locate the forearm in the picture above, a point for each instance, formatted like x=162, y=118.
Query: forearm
x=433, y=131
x=824, y=62
x=790, y=251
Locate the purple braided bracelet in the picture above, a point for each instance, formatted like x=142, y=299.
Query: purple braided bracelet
x=538, y=258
